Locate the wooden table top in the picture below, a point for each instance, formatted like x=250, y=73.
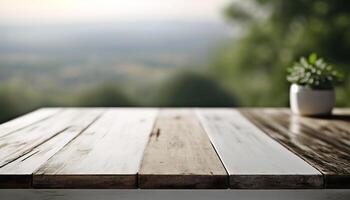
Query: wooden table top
x=151, y=148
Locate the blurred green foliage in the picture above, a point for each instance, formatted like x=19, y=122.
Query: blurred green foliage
x=18, y=98
x=15, y=100
x=180, y=90
x=192, y=89
x=274, y=34
x=249, y=70
x=105, y=95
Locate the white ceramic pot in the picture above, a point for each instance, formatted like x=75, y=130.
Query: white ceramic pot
x=306, y=101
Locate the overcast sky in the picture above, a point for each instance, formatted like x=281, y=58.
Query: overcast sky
x=69, y=11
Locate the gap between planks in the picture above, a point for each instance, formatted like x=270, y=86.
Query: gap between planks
x=252, y=159
x=27, y=120
x=180, y=155
x=37, y=143
x=106, y=155
x=319, y=141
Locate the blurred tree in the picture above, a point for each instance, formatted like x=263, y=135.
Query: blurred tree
x=16, y=100
x=275, y=33
x=190, y=89
x=105, y=95
x=7, y=107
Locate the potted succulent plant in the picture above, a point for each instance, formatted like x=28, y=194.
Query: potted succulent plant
x=312, y=89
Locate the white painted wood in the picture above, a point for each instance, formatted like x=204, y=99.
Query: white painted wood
x=26, y=120
x=245, y=150
x=112, y=147
x=30, y=162
x=15, y=145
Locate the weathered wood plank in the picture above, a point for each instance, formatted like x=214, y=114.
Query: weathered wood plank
x=323, y=142
x=179, y=155
x=92, y=194
x=25, y=151
x=26, y=120
x=16, y=144
x=106, y=155
x=252, y=159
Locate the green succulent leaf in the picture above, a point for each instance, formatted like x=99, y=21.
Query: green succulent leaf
x=313, y=58
x=314, y=73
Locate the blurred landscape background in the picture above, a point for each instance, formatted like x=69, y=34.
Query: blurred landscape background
x=212, y=53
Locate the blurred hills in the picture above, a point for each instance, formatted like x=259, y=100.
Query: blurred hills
x=86, y=54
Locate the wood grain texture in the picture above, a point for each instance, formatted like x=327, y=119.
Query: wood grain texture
x=252, y=159
x=26, y=150
x=26, y=120
x=106, y=155
x=179, y=155
x=323, y=142
x=103, y=148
